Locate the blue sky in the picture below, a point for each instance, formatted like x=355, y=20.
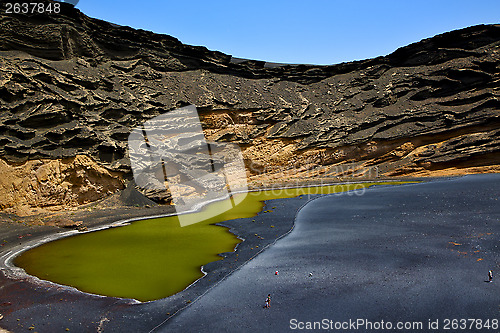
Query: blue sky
x=315, y=31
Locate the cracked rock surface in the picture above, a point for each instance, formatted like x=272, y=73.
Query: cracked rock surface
x=71, y=85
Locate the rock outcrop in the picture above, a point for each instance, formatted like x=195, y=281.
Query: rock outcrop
x=52, y=184
x=72, y=85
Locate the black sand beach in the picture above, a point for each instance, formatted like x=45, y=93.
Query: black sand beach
x=387, y=255
x=49, y=307
x=390, y=254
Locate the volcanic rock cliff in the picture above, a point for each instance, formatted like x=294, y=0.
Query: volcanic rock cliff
x=72, y=88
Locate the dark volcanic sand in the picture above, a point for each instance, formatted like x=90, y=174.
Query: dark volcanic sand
x=385, y=255
x=382, y=256
x=51, y=307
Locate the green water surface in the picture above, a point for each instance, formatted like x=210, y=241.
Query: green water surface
x=154, y=258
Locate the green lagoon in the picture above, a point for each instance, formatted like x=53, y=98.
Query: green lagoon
x=154, y=258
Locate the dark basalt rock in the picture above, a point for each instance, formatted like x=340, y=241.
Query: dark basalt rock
x=70, y=84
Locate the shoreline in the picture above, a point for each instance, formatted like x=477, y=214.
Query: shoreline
x=215, y=272
x=56, y=234
x=383, y=255
x=6, y=259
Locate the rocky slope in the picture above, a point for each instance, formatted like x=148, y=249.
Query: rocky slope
x=71, y=85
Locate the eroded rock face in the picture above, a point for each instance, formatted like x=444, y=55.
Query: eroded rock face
x=73, y=85
x=53, y=184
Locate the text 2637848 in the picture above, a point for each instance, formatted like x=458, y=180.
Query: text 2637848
x=32, y=8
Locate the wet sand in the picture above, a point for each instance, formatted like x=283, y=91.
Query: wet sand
x=388, y=255
x=50, y=307
x=382, y=256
